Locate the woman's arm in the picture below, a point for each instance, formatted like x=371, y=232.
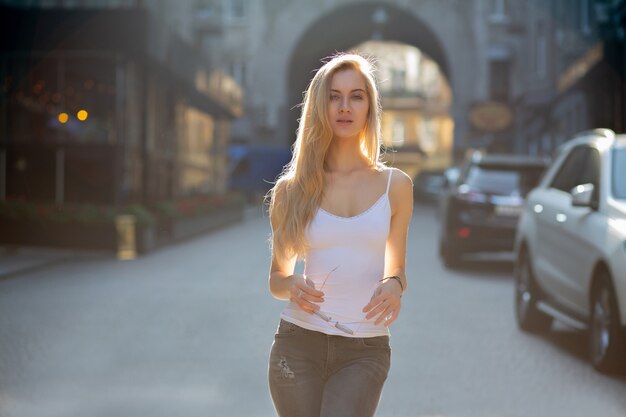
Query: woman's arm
x=386, y=300
x=402, y=210
x=285, y=285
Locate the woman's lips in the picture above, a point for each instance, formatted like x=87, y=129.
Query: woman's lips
x=344, y=122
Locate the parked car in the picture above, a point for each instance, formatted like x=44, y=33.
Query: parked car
x=479, y=213
x=450, y=176
x=571, y=247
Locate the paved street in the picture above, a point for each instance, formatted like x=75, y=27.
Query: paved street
x=186, y=331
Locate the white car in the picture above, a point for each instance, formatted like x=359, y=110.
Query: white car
x=571, y=247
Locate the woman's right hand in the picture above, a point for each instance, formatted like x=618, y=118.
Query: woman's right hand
x=304, y=294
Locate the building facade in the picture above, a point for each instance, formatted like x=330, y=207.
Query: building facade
x=519, y=77
x=272, y=48
x=523, y=75
x=571, y=58
x=110, y=102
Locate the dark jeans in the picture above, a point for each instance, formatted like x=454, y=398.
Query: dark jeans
x=312, y=374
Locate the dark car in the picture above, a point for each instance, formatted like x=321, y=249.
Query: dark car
x=428, y=187
x=479, y=213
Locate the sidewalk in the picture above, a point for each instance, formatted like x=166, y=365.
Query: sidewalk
x=16, y=260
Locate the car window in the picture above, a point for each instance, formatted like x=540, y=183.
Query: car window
x=590, y=172
x=619, y=173
x=501, y=180
x=581, y=166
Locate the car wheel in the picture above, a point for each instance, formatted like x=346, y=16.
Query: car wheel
x=451, y=256
x=606, y=337
x=529, y=317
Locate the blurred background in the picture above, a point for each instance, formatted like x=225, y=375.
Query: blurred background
x=145, y=103
x=129, y=126
x=152, y=108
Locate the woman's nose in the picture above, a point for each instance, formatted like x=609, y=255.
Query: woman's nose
x=344, y=107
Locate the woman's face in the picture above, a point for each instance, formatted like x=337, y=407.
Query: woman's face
x=348, y=103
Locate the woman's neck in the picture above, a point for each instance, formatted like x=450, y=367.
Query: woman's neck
x=345, y=156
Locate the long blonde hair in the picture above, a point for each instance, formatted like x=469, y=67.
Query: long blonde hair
x=298, y=192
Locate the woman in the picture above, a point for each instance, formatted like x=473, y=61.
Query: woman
x=347, y=215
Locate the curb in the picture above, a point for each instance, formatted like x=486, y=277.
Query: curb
x=46, y=261
x=33, y=268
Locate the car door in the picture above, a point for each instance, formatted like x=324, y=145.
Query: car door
x=577, y=229
x=548, y=208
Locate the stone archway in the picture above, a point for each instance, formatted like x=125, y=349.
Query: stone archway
x=345, y=27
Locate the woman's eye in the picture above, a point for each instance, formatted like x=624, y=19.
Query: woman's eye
x=357, y=97
x=334, y=97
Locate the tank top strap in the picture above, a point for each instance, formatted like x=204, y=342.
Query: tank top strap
x=389, y=180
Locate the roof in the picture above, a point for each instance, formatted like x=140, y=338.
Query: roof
x=603, y=138
x=620, y=140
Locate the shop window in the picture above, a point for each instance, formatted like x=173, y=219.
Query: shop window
x=196, y=157
x=32, y=97
x=59, y=99
x=90, y=88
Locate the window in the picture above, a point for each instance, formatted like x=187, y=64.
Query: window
x=59, y=98
x=585, y=24
x=195, y=158
x=619, y=173
x=566, y=176
x=498, y=9
x=238, y=9
x=239, y=72
x=499, y=71
x=209, y=9
x=541, y=56
x=581, y=166
x=590, y=173
x=574, y=15
x=398, y=133
x=398, y=78
x=502, y=180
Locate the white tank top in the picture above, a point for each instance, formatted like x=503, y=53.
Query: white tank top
x=345, y=260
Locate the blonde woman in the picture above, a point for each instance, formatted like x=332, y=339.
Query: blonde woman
x=347, y=215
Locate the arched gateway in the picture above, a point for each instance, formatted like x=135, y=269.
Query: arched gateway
x=301, y=33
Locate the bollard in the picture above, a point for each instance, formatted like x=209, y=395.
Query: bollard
x=126, y=247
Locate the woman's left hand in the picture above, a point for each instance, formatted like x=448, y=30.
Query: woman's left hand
x=385, y=303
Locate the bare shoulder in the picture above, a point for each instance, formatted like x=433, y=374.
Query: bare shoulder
x=400, y=190
x=401, y=183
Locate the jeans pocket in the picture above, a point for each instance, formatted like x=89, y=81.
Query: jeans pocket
x=375, y=342
x=286, y=328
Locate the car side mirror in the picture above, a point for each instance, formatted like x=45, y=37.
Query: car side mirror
x=582, y=196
